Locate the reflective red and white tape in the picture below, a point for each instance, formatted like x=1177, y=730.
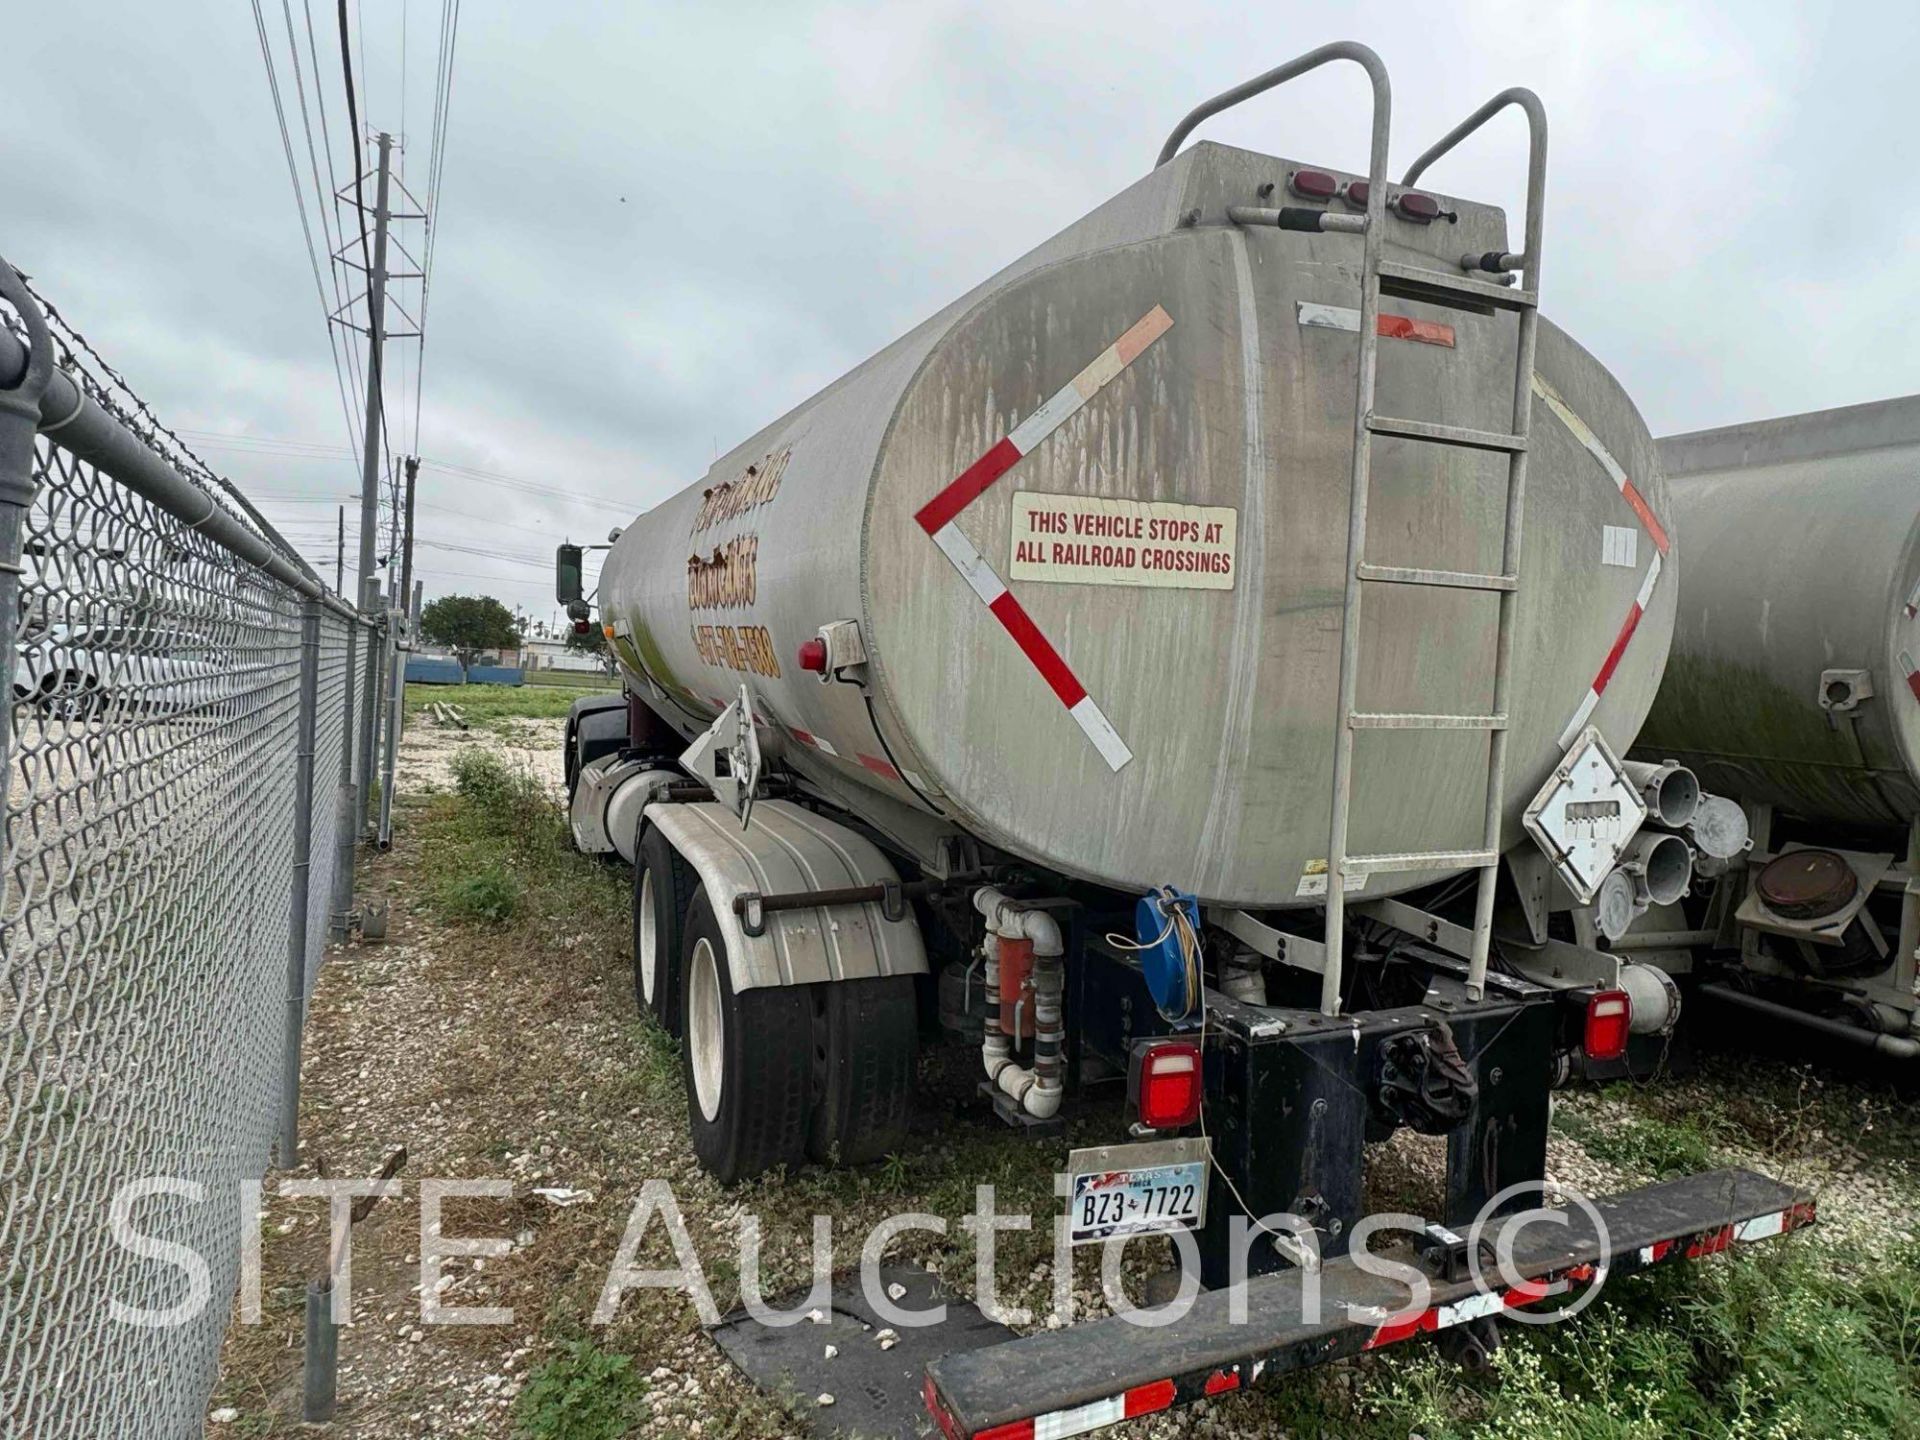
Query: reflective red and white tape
x=1158, y=1395
x=1591, y=442
x=1314, y=316
x=938, y=516
x=1913, y=672
x=1060, y=1424
x=1594, y=691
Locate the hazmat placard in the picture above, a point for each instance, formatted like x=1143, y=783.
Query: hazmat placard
x=1091, y=540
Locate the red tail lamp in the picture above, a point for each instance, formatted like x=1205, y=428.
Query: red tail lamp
x=1167, y=1085
x=812, y=655
x=1609, y=1018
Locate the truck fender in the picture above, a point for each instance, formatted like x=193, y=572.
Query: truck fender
x=788, y=848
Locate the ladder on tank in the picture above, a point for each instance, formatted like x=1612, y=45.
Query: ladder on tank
x=1461, y=288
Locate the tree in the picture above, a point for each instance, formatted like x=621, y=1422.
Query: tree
x=468, y=624
x=591, y=641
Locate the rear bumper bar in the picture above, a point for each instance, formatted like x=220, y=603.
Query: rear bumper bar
x=1074, y=1381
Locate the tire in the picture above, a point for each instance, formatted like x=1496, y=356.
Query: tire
x=663, y=886
x=869, y=1033
x=747, y=1061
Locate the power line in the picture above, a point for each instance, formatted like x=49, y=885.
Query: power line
x=299, y=198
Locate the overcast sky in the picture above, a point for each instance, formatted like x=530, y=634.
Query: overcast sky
x=661, y=225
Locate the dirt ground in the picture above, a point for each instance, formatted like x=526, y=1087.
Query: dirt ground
x=514, y=1052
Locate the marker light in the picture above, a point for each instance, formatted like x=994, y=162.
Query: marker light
x=1313, y=185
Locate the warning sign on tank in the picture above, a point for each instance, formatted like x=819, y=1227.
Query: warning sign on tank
x=1089, y=540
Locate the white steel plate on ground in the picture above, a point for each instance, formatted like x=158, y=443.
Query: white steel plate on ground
x=1147, y=1189
x=1585, y=815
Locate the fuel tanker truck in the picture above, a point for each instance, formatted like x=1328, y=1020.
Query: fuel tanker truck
x=1141, y=672
x=1793, y=688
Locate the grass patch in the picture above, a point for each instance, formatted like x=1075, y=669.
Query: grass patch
x=498, y=851
x=1645, y=1144
x=1779, y=1341
x=582, y=1393
x=484, y=704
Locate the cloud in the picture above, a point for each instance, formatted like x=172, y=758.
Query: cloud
x=663, y=227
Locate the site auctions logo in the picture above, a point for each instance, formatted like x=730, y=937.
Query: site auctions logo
x=1487, y=1248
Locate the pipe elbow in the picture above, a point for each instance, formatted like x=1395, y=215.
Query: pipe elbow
x=1043, y=930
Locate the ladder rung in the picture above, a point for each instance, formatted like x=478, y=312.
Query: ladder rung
x=1362, y=720
x=1445, y=434
x=1419, y=860
x=1438, y=287
x=1446, y=579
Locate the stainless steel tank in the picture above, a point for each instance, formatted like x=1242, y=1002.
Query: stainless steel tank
x=1090, y=521
x=1792, y=680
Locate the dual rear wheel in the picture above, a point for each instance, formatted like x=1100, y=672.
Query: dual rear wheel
x=774, y=1075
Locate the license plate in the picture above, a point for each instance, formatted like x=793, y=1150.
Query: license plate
x=1148, y=1189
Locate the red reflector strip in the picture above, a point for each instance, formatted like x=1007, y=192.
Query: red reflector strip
x=1149, y=1399
x=1061, y=406
x=1655, y=531
x=1427, y=332
x=1220, y=1382
x=1583, y=432
x=971, y=485
x=1913, y=673
x=1585, y=710
x=1035, y=646
x=1019, y=1430
x=1314, y=316
x=879, y=767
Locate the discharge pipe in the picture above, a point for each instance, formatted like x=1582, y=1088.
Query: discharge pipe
x=1010, y=929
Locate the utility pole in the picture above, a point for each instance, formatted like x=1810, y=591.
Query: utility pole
x=340, y=549
x=370, y=466
x=396, y=686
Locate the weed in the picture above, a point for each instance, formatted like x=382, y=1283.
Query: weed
x=489, y=896
x=1645, y=1144
x=583, y=1393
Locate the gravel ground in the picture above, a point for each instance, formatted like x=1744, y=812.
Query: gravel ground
x=510, y=1054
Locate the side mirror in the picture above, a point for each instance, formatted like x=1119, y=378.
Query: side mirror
x=569, y=583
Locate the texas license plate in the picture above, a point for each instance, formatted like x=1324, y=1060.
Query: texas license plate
x=1147, y=1189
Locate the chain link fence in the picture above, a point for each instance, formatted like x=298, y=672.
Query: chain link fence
x=180, y=698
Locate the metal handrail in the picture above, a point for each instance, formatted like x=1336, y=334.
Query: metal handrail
x=1524, y=99
x=1352, y=50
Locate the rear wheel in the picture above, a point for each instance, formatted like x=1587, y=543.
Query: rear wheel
x=747, y=1060
x=663, y=886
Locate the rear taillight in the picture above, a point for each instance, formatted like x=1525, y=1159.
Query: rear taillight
x=1313, y=184
x=1167, y=1085
x=1609, y=1018
x=813, y=655
x=581, y=627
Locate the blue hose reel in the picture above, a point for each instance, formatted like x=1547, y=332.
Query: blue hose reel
x=1162, y=960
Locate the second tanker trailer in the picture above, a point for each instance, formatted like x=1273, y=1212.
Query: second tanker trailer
x=1143, y=666
x=1795, y=688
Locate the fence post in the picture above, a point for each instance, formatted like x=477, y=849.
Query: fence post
x=19, y=423
x=302, y=880
x=369, y=729
x=341, y=920
x=390, y=752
